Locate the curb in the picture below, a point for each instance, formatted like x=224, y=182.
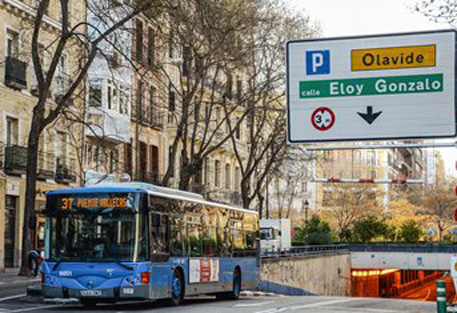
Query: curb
x=19, y=282
x=247, y=293
x=34, y=291
x=276, y=288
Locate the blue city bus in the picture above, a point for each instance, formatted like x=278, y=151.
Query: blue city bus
x=132, y=241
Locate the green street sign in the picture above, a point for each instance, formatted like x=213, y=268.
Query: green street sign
x=371, y=86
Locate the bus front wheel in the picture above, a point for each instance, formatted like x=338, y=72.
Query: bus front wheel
x=177, y=288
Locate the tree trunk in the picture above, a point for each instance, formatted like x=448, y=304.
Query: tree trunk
x=245, y=196
x=440, y=233
x=185, y=171
x=30, y=192
x=261, y=199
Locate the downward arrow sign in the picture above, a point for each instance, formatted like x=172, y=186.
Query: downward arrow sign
x=369, y=117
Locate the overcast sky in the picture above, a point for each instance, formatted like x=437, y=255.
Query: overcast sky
x=365, y=17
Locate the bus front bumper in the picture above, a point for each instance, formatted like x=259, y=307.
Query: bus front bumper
x=125, y=292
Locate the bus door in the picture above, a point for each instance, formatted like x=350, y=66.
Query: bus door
x=159, y=249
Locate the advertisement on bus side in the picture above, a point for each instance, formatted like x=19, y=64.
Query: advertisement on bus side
x=203, y=270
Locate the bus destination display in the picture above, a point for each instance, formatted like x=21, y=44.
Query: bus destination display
x=94, y=202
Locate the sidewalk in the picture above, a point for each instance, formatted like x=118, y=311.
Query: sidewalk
x=10, y=277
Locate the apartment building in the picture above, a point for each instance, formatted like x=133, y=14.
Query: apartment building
x=389, y=164
x=145, y=155
x=436, y=173
x=220, y=175
x=130, y=103
x=108, y=104
x=58, y=155
x=291, y=193
x=134, y=105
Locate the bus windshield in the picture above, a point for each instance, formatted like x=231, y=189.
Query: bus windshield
x=102, y=234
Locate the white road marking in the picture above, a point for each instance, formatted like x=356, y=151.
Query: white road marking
x=19, y=281
x=318, y=304
x=246, y=305
x=273, y=310
x=12, y=297
x=34, y=308
x=364, y=309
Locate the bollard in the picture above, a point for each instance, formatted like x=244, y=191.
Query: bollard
x=441, y=296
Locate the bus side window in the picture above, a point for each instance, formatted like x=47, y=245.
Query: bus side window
x=178, y=236
x=159, y=233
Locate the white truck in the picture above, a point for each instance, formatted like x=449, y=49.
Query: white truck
x=275, y=235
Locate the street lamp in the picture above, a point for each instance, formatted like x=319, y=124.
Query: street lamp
x=306, y=206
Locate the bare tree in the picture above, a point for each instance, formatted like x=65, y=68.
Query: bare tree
x=349, y=203
x=266, y=122
x=289, y=177
x=201, y=80
x=228, y=83
x=439, y=11
x=438, y=204
x=84, y=38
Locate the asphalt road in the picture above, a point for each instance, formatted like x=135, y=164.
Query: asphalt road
x=12, y=304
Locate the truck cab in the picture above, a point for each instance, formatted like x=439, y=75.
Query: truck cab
x=275, y=235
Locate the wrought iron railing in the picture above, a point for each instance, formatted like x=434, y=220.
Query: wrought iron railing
x=404, y=248
x=15, y=159
x=15, y=73
x=66, y=170
x=305, y=251
x=157, y=119
x=46, y=165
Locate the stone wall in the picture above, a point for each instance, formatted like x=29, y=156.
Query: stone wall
x=328, y=275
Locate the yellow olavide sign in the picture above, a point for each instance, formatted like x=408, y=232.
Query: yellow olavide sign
x=393, y=58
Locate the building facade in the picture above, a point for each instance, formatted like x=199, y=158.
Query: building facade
x=366, y=165
x=58, y=162
x=130, y=105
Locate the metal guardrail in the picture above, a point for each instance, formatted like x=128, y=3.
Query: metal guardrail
x=342, y=248
x=305, y=251
x=408, y=248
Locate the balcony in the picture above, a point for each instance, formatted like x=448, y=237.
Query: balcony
x=157, y=120
x=65, y=171
x=34, y=86
x=46, y=165
x=15, y=160
x=15, y=73
x=108, y=124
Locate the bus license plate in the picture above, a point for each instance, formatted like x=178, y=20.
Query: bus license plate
x=91, y=293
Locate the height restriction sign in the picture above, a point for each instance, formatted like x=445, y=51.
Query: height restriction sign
x=323, y=118
x=387, y=87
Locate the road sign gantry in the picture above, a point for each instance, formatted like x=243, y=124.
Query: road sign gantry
x=386, y=87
